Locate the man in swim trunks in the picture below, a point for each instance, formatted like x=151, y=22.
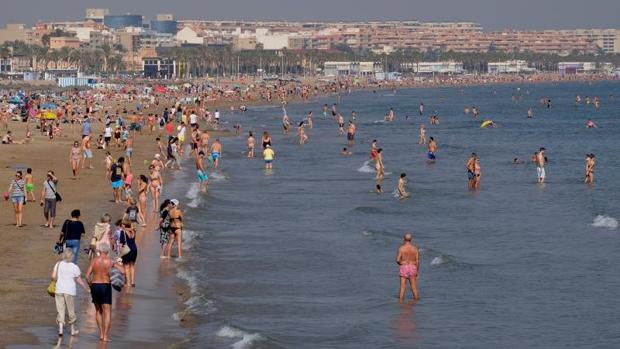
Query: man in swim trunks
x=540, y=165
x=351, y=133
x=116, y=178
x=203, y=178
x=98, y=278
x=216, y=152
x=432, y=148
x=471, y=167
x=88, y=153
x=408, y=259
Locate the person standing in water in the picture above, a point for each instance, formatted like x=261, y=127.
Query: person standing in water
x=286, y=124
x=340, y=125
x=422, y=137
x=589, y=178
x=379, y=165
x=268, y=156
x=301, y=132
x=540, y=165
x=351, y=133
x=251, y=143
x=402, y=187
x=471, y=168
x=408, y=260
x=477, y=173
x=432, y=149
x=216, y=152
x=421, y=109
x=203, y=178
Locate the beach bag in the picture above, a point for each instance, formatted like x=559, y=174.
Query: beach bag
x=58, y=197
x=117, y=279
x=51, y=288
x=124, y=248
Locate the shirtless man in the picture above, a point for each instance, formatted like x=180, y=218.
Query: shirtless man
x=203, y=178
x=351, y=133
x=589, y=178
x=379, y=169
x=471, y=168
x=432, y=149
x=408, y=259
x=402, y=187
x=216, y=152
x=422, y=137
x=540, y=165
x=98, y=278
x=251, y=143
x=88, y=153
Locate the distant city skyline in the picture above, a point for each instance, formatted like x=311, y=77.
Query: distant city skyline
x=491, y=15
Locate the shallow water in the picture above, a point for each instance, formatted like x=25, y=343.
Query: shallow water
x=303, y=257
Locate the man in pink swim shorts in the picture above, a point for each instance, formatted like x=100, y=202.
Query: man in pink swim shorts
x=408, y=259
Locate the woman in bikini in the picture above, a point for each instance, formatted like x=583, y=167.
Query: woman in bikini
x=143, y=186
x=74, y=158
x=176, y=228
x=156, y=186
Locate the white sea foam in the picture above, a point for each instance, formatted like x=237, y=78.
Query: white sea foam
x=193, y=195
x=366, y=168
x=216, y=177
x=440, y=260
x=602, y=221
x=245, y=339
x=189, y=238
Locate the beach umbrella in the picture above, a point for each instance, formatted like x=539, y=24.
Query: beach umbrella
x=47, y=115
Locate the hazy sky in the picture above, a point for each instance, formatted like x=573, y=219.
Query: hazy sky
x=492, y=14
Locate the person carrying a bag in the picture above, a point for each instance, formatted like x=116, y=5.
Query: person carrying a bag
x=49, y=199
x=72, y=231
x=65, y=275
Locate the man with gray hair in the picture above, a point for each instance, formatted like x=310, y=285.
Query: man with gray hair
x=408, y=259
x=98, y=278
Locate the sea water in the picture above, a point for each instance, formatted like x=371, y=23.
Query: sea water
x=304, y=256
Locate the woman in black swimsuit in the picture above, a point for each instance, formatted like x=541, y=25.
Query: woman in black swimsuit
x=266, y=139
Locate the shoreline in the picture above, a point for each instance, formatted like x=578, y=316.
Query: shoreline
x=40, y=240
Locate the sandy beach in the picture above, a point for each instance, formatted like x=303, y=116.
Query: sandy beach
x=28, y=315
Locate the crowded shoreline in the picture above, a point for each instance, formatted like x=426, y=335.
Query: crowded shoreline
x=48, y=155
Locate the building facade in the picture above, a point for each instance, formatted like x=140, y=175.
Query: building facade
x=122, y=21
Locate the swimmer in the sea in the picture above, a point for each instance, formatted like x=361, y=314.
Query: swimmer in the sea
x=402, y=187
x=345, y=152
x=590, y=124
x=517, y=161
x=378, y=189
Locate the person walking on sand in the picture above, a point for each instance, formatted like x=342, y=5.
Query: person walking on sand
x=88, y=153
x=143, y=187
x=48, y=198
x=67, y=274
x=17, y=192
x=408, y=260
x=128, y=237
x=29, y=185
x=75, y=158
x=116, y=178
x=72, y=231
x=98, y=278
x=268, y=156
